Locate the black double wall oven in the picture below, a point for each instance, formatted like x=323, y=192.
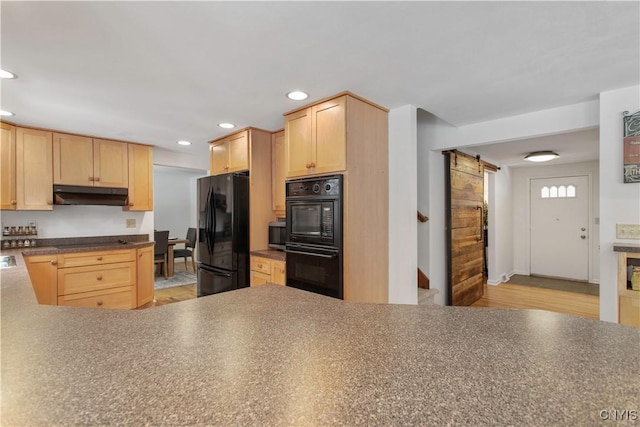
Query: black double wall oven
x=314, y=234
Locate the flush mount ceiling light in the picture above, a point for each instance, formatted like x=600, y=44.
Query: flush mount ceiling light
x=183, y=142
x=297, y=95
x=226, y=125
x=5, y=113
x=541, y=156
x=7, y=75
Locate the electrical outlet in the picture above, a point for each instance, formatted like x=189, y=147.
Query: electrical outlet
x=131, y=223
x=628, y=231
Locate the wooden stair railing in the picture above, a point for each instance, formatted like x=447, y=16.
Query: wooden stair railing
x=423, y=280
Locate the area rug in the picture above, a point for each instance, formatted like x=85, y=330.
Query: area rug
x=556, y=284
x=179, y=278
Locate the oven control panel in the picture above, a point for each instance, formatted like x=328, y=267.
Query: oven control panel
x=326, y=186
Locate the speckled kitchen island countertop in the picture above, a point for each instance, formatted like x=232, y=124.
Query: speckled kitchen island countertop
x=272, y=355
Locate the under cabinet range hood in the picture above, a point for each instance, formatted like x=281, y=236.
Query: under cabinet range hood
x=79, y=195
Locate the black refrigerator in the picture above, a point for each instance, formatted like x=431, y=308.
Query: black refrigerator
x=223, y=233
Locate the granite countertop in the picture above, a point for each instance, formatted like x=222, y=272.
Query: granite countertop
x=626, y=247
x=88, y=244
x=272, y=355
x=271, y=254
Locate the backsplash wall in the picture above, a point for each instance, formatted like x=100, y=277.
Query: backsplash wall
x=81, y=221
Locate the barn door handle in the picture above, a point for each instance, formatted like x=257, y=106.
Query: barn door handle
x=481, y=238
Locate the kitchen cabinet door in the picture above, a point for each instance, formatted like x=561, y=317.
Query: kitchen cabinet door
x=278, y=171
x=140, y=178
x=110, y=164
x=219, y=157
x=328, y=143
x=238, y=152
x=145, y=276
x=34, y=170
x=298, y=142
x=7, y=167
x=72, y=160
x=278, y=273
x=316, y=139
x=43, y=272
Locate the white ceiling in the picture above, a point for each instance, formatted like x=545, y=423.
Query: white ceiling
x=157, y=72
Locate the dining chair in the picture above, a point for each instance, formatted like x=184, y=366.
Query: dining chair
x=189, y=249
x=160, y=250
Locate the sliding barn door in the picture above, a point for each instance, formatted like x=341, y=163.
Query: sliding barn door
x=464, y=199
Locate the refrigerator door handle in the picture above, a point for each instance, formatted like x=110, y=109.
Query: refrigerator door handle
x=208, y=223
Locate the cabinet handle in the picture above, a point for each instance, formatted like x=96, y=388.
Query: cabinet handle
x=99, y=258
x=259, y=265
x=13, y=202
x=90, y=178
x=54, y=262
x=308, y=165
x=226, y=167
x=99, y=302
x=313, y=165
x=96, y=179
x=50, y=202
x=131, y=204
x=99, y=277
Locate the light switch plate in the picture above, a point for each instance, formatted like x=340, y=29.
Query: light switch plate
x=628, y=231
x=131, y=223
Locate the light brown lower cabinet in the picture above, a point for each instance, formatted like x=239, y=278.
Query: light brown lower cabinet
x=120, y=278
x=266, y=270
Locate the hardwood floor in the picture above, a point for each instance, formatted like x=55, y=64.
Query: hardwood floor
x=508, y=295
x=172, y=295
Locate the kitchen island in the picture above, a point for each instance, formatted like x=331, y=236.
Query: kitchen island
x=273, y=355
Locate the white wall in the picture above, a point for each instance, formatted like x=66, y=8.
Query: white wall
x=619, y=202
x=522, y=177
x=540, y=123
x=175, y=202
x=500, y=223
x=199, y=160
x=403, y=241
x=81, y=221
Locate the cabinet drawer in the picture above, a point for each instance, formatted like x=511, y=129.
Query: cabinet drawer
x=258, y=278
x=124, y=297
x=95, y=277
x=95, y=258
x=261, y=265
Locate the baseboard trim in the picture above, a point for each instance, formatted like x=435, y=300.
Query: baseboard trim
x=504, y=277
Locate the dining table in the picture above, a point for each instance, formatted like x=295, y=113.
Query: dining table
x=170, y=263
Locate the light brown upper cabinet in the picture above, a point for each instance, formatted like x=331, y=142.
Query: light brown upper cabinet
x=229, y=154
x=34, y=170
x=140, y=178
x=7, y=167
x=315, y=138
x=278, y=172
x=79, y=160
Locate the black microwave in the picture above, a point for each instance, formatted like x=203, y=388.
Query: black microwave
x=277, y=235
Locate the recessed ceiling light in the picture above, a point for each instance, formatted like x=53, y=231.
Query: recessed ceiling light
x=226, y=125
x=5, y=113
x=297, y=95
x=183, y=142
x=541, y=156
x=7, y=75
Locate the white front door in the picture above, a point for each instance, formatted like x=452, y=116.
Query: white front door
x=560, y=227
